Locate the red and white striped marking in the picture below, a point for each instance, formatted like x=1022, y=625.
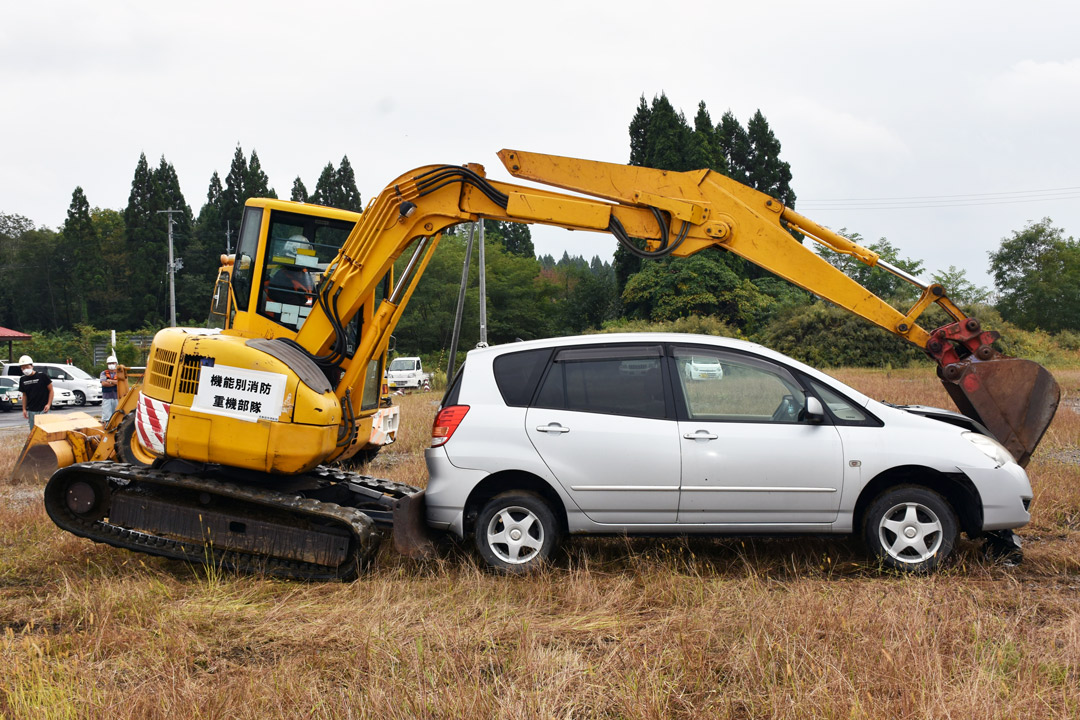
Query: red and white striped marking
x=384, y=425
x=151, y=419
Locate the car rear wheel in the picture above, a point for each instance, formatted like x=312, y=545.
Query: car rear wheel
x=517, y=532
x=911, y=529
x=80, y=398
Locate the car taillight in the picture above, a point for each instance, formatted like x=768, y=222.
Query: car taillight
x=385, y=389
x=446, y=422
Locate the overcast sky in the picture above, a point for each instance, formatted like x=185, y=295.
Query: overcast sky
x=962, y=115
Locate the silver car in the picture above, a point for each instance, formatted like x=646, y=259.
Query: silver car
x=608, y=434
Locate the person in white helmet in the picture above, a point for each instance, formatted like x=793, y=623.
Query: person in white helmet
x=291, y=284
x=36, y=389
x=113, y=385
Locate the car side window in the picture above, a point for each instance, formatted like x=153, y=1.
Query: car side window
x=731, y=387
x=838, y=405
x=611, y=380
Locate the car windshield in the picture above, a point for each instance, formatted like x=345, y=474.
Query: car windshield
x=77, y=373
x=7, y=382
x=402, y=364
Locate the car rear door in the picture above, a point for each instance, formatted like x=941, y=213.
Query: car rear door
x=603, y=422
x=749, y=454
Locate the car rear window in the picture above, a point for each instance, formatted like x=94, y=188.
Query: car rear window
x=454, y=389
x=516, y=374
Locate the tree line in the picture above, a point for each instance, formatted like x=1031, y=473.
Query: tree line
x=108, y=268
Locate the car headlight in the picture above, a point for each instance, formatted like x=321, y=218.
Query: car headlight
x=991, y=448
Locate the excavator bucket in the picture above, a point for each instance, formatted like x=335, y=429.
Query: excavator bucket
x=412, y=537
x=58, y=441
x=1014, y=399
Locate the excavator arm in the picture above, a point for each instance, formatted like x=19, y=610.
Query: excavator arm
x=677, y=214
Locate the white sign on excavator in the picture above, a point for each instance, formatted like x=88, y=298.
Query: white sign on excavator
x=244, y=394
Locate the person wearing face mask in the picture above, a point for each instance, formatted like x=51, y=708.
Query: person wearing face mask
x=113, y=386
x=36, y=389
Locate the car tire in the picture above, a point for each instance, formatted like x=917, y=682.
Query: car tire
x=910, y=529
x=517, y=532
x=80, y=398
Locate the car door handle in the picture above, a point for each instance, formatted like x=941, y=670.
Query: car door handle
x=552, y=428
x=700, y=435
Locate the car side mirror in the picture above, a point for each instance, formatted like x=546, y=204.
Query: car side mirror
x=814, y=411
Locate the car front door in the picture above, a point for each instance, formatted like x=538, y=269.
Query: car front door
x=750, y=455
x=603, y=422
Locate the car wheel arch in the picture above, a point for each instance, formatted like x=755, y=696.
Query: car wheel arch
x=956, y=488
x=505, y=481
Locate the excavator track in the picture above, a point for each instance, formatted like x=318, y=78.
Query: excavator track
x=301, y=531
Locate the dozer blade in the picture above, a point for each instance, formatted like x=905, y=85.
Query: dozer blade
x=1014, y=399
x=55, y=442
x=412, y=538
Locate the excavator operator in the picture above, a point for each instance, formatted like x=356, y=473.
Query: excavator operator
x=290, y=284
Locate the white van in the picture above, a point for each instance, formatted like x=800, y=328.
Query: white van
x=85, y=388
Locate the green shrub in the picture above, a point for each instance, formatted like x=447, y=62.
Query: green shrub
x=696, y=324
x=824, y=335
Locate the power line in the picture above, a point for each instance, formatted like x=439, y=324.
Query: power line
x=944, y=201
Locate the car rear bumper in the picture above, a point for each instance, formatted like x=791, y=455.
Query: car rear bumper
x=448, y=491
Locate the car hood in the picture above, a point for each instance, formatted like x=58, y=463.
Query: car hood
x=948, y=416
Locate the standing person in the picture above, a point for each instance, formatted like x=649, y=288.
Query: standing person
x=36, y=389
x=113, y=381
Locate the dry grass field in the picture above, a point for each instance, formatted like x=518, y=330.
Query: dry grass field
x=650, y=628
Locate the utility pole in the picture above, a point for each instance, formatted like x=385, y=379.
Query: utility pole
x=456, y=335
x=173, y=267
x=483, y=290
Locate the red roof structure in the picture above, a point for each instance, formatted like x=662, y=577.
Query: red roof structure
x=11, y=336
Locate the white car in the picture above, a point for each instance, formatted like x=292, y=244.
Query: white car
x=84, y=388
x=10, y=397
x=703, y=367
x=63, y=397
x=405, y=372
x=605, y=434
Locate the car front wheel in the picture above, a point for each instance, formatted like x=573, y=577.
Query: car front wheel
x=911, y=529
x=517, y=532
x=80, y=398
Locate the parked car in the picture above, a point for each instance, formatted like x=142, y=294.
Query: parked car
x=10, y=397
x=405, y=372
x=62, y=397
x=84, y=388
x=537, y=440
x=703, y=367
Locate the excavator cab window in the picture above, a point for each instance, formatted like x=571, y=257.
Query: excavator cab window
x=246, y=251
x=299, y=249
x=219, y=302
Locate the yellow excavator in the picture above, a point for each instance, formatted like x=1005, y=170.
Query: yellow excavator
x=222, y=453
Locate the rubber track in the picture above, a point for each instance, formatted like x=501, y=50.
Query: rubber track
x=365, y=540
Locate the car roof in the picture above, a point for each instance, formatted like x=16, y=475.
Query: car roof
x=631, y=337
x=717, y=341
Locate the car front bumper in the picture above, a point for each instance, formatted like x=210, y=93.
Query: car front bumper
x=1006, y=495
